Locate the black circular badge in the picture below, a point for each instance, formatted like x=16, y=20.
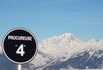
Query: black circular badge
x=19, y=45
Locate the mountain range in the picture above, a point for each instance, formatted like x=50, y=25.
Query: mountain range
x=65, y=52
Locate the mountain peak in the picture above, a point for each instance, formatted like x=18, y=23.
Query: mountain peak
x=69, y=36
x=63, y=37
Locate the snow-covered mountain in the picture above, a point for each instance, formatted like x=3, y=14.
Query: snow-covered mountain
x=67, y=52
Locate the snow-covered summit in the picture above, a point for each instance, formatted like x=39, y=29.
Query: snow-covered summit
x=68, y=41
x=67, y=35
x=60, y=39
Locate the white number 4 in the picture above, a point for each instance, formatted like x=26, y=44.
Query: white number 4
x=20, y=50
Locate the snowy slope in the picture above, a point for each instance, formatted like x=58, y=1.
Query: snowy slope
x=64, y=48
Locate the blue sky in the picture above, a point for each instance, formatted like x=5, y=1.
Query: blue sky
x=47, y=18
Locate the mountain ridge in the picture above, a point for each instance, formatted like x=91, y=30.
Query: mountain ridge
x=67, y=47
x=68, y=52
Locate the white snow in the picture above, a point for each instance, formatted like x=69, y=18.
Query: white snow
x=63, y=47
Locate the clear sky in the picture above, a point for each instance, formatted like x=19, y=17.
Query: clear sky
x=47, y=18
